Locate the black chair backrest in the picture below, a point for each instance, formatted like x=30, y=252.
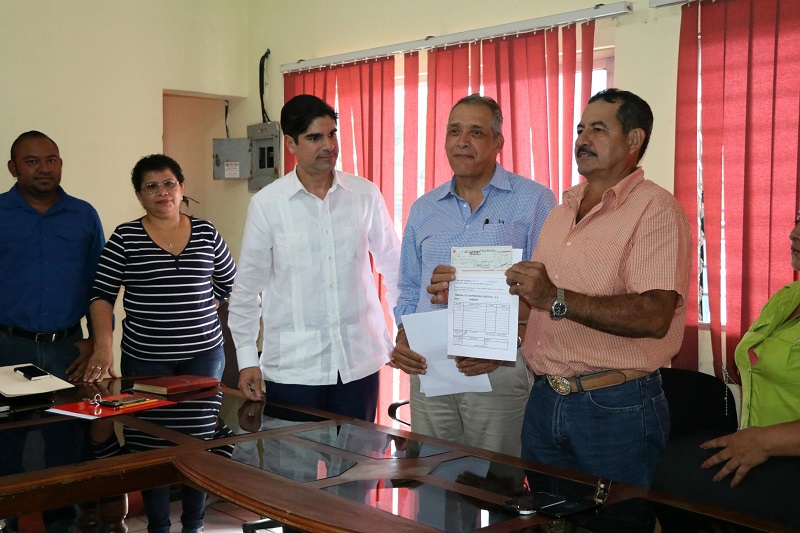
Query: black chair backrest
x=698, y=402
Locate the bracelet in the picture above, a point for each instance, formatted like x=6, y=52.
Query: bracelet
x=400, y=328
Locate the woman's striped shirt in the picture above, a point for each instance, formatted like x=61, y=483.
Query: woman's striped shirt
x=169, y=300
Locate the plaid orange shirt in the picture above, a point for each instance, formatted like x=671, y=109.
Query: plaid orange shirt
x=635, y=240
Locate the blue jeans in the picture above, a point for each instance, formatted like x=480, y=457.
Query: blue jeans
x=156, y=500
x=616, y=432
x=210, y=363
x=357, y=399
x=156, y=504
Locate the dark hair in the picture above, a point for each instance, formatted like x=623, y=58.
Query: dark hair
x=497, y=114
x=154, y=163
x=33, y=134
x=633, y=113
x=299, y=112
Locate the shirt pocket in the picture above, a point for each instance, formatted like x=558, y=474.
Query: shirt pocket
x=781, y=355
x=16, y=230
x=292, y=251
x=507, y=234
x=604, y=263
x=73, y=243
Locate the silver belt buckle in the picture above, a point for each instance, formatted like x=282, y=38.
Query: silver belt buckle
x=559, y=384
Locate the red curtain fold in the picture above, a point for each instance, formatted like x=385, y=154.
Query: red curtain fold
x=758, y=168
x=517, y=112
x=749, y=131
x=537, y=89
x=785, y=197
x=587, y=60
x=347, y=88
x=410, y=132
x=474, y=68
x=552, y=59
x=686, y=170
x=712, y=75
x=430, y=121
x=508, y=155
x=569, y=61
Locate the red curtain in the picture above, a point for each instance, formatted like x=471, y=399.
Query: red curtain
x=522, y=73
x=749, y=178
x=686, y=171
x=569, y=61
x=410, y=131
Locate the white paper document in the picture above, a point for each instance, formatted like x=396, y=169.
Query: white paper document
x=427, y=335
x=482, y=315
x=13, y=384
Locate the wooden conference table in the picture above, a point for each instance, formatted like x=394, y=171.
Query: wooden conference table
x=319, y=472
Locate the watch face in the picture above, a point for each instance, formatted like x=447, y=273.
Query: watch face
x=559, y=309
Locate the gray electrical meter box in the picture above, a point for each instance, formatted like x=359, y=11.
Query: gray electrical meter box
x=256, y=159
x=232, y=159
x=266, y=144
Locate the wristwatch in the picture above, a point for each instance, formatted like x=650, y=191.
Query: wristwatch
x=559, y=308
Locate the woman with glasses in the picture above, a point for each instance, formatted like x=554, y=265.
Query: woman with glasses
x=176, y=270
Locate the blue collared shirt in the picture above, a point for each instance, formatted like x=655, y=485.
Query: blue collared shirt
x=511, y=214
x=47, y=261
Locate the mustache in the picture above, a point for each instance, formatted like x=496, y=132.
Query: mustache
x=584, y=150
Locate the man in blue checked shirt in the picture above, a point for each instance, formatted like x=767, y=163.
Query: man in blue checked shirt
x=482, y=205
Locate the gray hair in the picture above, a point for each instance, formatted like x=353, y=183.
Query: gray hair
x=497, y=114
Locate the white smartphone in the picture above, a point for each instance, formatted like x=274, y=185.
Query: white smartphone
x=31, y=372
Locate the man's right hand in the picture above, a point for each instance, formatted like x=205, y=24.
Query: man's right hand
x=404, y=358
x=250, y=381
x=441, y=277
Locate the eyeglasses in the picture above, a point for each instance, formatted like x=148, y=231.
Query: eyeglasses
x=152, y=187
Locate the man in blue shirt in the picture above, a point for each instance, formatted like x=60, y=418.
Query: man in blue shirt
x=49, y=246
x=482, y=205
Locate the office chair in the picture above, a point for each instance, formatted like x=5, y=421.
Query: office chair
x=701, y=408
x=698, y=402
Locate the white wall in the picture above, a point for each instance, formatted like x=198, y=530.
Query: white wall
x=91, y=74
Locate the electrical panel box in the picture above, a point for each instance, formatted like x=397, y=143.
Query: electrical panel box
x=256, y=158
x=266, y=144
x=232, y=159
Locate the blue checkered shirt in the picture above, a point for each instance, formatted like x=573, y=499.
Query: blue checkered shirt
x=511, y=214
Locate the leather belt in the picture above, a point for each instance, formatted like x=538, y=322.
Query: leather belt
x=594, y=381
x=47, y=336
